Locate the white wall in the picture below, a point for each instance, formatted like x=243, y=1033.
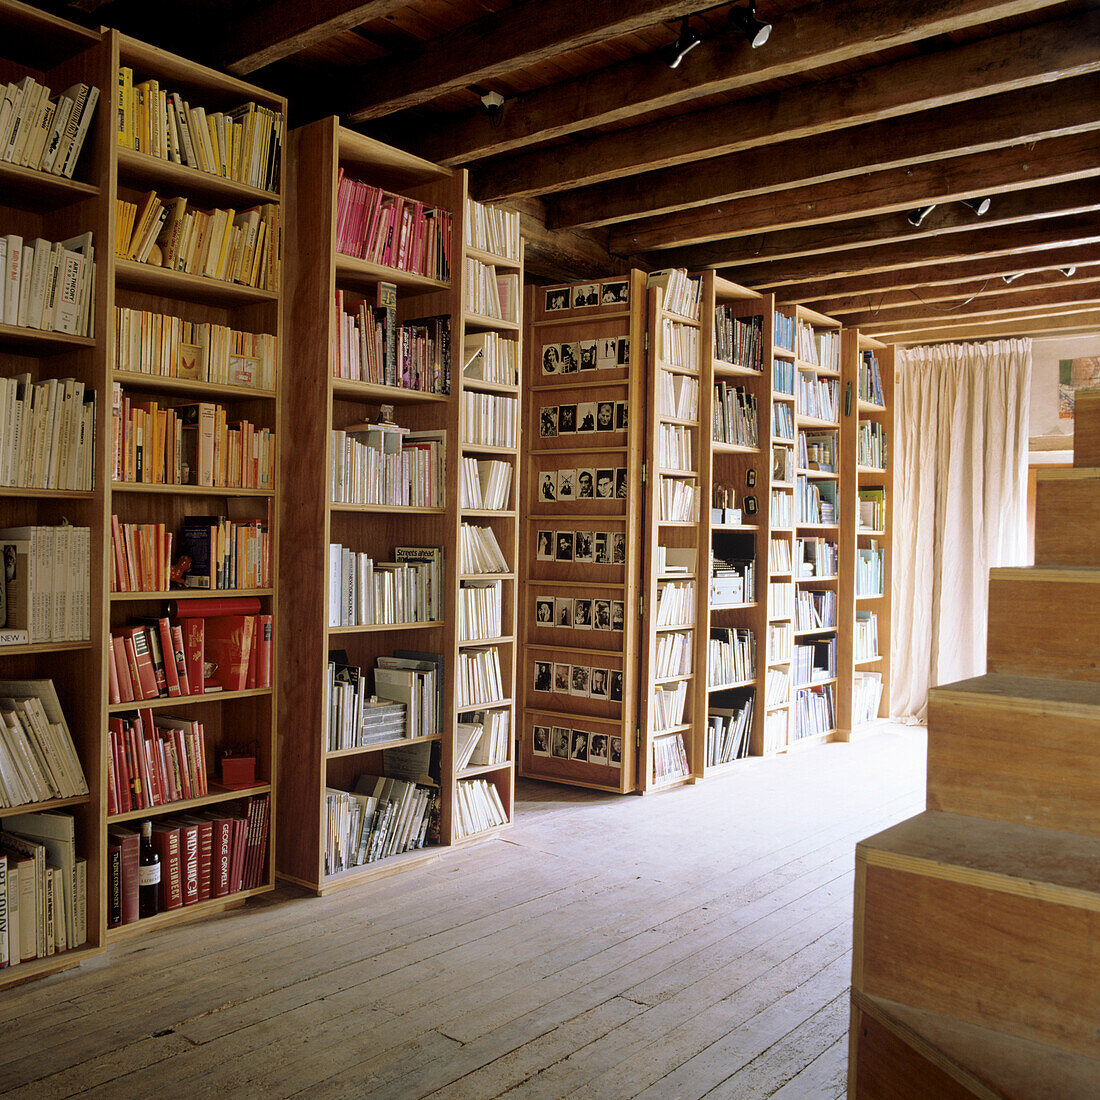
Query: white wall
x=1046, y=353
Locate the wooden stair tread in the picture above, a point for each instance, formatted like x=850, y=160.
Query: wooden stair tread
x=1034, y=694
x=989, y=1063
x=1067, y=574
x=1046, y=864
x=1067, y=473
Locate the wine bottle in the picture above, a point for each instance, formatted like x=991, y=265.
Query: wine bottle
x=148, y=873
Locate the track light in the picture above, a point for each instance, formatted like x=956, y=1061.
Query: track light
x=686, y=41
x=915, y=217
x=755, y=30
x=979, y=206
x=1013, y=277
x=1068, y=271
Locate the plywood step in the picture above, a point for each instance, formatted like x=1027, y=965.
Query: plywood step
x=1045, y=621
x=1067, y=517
x=1086, y=428
x=1017, y=748
x=903, y=1053
x=994, y=923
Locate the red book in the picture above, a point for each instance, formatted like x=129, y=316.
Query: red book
x=114, y=885
x=112, y=677
x=141, y=657
x=179, y=740
x=189, y=857
x=180, y=654
x=253, y=654
x=250, y=842
x=236, y=867
x=128, y=841
x=194, y=634
x=228, y=644
x=168, y=650
x=122, y=666
x=112, y=779
x=205, y=832
x=265, y=632
x=206, y=609
x=118, y=760
x=158, y=785
x=166, y=840
x=221, y=848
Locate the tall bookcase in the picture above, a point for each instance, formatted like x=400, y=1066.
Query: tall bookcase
x=866, y=543
x=319, y=154
x=232, y=720
x=583, y=491
x=37, y=204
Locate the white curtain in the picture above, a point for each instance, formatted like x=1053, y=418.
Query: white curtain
x=960, y=496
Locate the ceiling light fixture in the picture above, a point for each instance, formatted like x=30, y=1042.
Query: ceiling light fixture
x=979, y=206
x=915, y=217
x=1013, y=277
x=1068, y=271
x=686, y=41
x=755, y=30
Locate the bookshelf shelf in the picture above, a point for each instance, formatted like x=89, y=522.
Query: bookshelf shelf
x=39, y=191
x=391, y=395
x=721, y=369
x=484, y=769
x=486, y=449
x=477, y=385
x=376, y=627
x=19, y=492
x=49, y=804
x=184, y=915
x=388, y=509
x=502, y=262
x=143, y=168
x=34, y=648
x=500, y=639
x=152, y=489
x=217, y=794
x=353, y=272
x=193, y=288
x=395, y=743
x=480, y=321
x=188, y=594
x=380, y=868
x=32, y=341
x=136, y=380
x=187, y=700
x=733, y=449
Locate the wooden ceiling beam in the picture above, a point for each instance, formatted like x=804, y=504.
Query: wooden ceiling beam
x=1067, y=325
x=1022, y=322
x=1012, y=208
x=1034, y=114
x=284, y=27
x=821, y=34
x=995, y=172
x=1007, y=62
x=1078, y=229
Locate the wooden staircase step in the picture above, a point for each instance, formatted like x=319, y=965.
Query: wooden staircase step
x=1017, y=748
x=1045, y=621
x=995, y=923
x=1067, y=517
x=903, y=1053
x=1086, y=428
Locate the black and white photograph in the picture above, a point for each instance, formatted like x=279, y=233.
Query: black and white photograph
x=567, y=419
x=586, y=484
x=544, y=612
x=551, y=359
x=586, y=417
x=579, y=749
x=569, y=358
x=588, y=354
x=601, y=548
x=620, y=482
x=563, y=542
x=597, y=748
x=582, y=547
x=616, y=686
x=597, y=683
x=618, y=548
x=607, y=353
x=621, y=422
x=559, y=742
x=540, y=739
x=579, y=683
x=605, y=416
x=566, y=484
x=586, y=294
x=605, y=484
x=563, y=611
x=543, y=675
x=622, y=351
x=618, y=614
x=614, y=293
x=548, y=421
x=548, y=486
x=562, y=678
x=557, y=299
x=615, y=751
x=544, y=546
x=582, y=614
x=601, y=614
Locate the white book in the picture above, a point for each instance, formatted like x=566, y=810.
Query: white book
x=41, y=133
x=13, y=268
x=23, y=92
x=67, y=316
x=27, y=264
x=78, y=93
x=7, y=111
x=43, y=252
x=61, y=115
x=56, y=833
x=28, y=122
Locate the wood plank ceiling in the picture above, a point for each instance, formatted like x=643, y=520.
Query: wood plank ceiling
x=791, y=167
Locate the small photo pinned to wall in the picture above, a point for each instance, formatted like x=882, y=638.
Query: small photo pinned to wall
x=582, y=547
x=618, y=548
x=543, y=675
x=540, y=740
x=615, y=752
x=548, y=486
x=548, y=421
x=601, y=548
x=601, y=614
x=579, y=748
x=564, y=546
x=579, y=683
x=598, y=683
x=551, y=359
x=618, y=614
x=563, y=611
x=567, y=488
x=544, y=546
x=622, y=422
x=605, y=416
x=557, y=298
x=607, y=353
x=616, y=686
x=582, y=614
x=616, y=293
x=559, y=742
x=544, y=612
x=588, y=354
x=620, y=482
x=562, y=678
x=586, y=416
x=569, y=358
x=605, y=484
x=597, y=748
x=586, y=484
x=586, y=294
x=567, y=419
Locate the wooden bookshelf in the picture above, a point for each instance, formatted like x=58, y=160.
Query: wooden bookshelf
x=603, y=366
x=865, y=416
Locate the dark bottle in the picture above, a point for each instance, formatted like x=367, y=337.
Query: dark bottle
x=148, y=873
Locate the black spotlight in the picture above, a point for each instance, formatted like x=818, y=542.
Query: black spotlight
x=1013, y=277
x=686, y=41
x=1068, y=271
x=979, y=206
x=755, y=30
x=915, y=217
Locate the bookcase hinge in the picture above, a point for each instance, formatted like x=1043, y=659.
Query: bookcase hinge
x=645, y=342
x=645, y=472
x=641, y=607
x=638, y=738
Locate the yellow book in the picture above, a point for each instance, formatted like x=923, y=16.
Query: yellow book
x=212, y=128
x=227, y=233
x=125, y=120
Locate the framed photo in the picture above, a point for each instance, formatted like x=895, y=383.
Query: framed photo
x=548, y=485
x=601, y=548
x=582, y=614
x=563, y=611
x=597, y=748
x=586, y=416
x=586, y=294
x=548, y=421
x=557, y=298
x=620, y=482
x=586, y=484
x=563, y=546
x=567, y=484
x=578, y=750
x=582, y=547
x=601, y=614
x=559, y=742
x=607, y=353
x=605, y=484
x=567, y=419
x=551, y=359
x=540, y=738
x=622, y=351
x=543, y=675
x=618, y=548
x=578, y=684
x=544, y=611
x=605, y=416
x=621, y=421
x=598, y=683
x=616, y=293
x=562, y=678
x=616, y=687
x=618, y=614
x=588, y=354
x=569, y=358
x=544, y=546
x=615, y=752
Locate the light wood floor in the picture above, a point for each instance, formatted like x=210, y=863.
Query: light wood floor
x=695, y=943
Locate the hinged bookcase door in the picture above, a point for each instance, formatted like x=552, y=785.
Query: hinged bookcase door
x=581, y=550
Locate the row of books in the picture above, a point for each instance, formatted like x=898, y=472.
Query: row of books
x=243, y=144
x=477, y=807
x=732, y=581
x=38, y=760
x=667, y=705
x=676, y=603
x=816, y=500
x=485, y=484
x=670, y=760
x=734, y=416
x=382, y=817
x=216, y=553
x=779, y=556
x=865, y=638
x=221, y=243
x=48, y=285
x=817, y=397
x=489, y=419
x=391, y=230
x=197, y=351
x=153, y=760
x=817, y=557
x=678, y=500
x=815, y=609
x=479, y=551
x=738, y=340
x=363, y=592
x=871, y=444
x=731, y=656
x=47, y=433
x=209, y=854
x=815, y=661
x=866, y=697
x=782, y=508
x=674, y=447
x=491, y=357
x=482, y=740
x=728, y=730
x=777, y=687
x=870, y=378
x=783, y=376
x=782, y=421
x=679, y=293
x=490, y=294
x=673, y=655
x=193, y=444
x=408, y=475
x=43, y=888
x=872, y=509
x=493, y=229
x=677, y=395
x=870, y=570
x=779, y=641
x=679, y=345
x=202, y=646
x=780, y=600
x=775, y=731
x=477, y=677
x=783, y=467
x=44, y=591
x=814, y=712
x=817, y=451
x=479, y=611
x=43, y=133
x=821, y=346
